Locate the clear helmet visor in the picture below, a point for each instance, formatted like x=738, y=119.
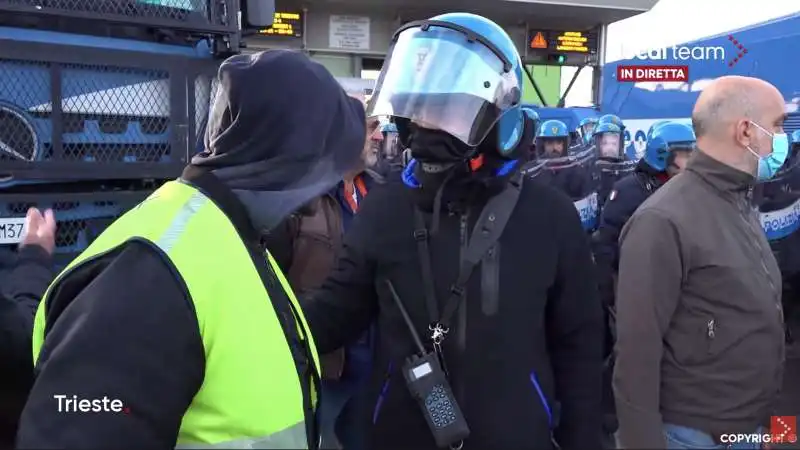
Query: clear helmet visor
x=587, y=129
x=609, y=145
x=439, y=79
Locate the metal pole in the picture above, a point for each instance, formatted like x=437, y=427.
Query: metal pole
x=597, y=87
x=563, y=99
x=304, y=45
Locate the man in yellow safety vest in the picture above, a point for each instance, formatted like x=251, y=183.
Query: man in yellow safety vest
x=174, y=328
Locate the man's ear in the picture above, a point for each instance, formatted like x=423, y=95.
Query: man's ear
x=743, y=132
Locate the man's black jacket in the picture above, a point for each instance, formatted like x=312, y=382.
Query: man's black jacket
x=27, y=275
x=528, y=337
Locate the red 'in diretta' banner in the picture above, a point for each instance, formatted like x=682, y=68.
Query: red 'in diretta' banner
x=652, y=73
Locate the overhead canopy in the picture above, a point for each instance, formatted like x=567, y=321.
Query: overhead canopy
x=568, y=14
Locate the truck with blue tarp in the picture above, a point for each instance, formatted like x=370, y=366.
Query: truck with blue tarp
x=769, y=51
x=766, y=50
x=103, y=100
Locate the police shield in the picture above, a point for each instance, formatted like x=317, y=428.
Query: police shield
x=573, y=175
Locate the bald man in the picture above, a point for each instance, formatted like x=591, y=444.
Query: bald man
x=700, y=344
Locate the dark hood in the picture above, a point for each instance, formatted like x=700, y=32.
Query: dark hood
x=281, y=131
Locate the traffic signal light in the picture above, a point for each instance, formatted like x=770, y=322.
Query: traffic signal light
x=557, y=58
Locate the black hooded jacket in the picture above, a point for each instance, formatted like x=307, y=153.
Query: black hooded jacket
x=525, y=348
x=123, y=325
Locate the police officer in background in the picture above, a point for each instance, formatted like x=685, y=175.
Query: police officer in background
x=559, y=168
x=390, y=154
x=586, y=128
x=778, y=203
x=612, y=163
x=532, y=165
x=668, y=148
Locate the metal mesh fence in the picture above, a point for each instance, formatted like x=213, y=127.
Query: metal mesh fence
x=81, y=218
x=205, y=91
x=100, y=121
x=178, y=11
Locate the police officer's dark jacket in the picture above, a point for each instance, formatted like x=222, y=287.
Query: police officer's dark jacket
x=525, y=350
x=626, y=195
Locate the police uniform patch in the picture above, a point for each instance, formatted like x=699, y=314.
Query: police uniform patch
x=612, y=195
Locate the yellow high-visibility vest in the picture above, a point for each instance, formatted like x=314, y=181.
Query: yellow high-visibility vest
x=252, y=394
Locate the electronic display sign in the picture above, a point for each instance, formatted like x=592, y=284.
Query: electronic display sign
x=285, y=24
x=549, y=41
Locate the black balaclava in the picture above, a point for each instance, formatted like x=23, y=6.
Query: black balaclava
x=281, y=131
x=443, y=166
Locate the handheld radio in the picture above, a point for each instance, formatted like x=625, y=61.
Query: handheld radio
x=427, y=383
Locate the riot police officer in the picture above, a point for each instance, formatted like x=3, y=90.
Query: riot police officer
x=532, y=166
x=613, y=120
x=567, y=168
x=390, y=155
x=612, y=163
x=586, y=128
x=778, y=204
x=668, y=148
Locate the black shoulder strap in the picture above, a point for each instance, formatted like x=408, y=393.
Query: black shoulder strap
x=488, y=229
x=423, y=252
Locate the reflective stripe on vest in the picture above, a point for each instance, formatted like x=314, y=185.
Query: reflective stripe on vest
x=293, y=437
x=251, y=396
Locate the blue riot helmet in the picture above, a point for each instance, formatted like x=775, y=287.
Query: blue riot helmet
x=532, y=165
x=532, y=115
x=665, y=141
x=612, y=119
x=654, y=126
x=608, y=141
x=459, y=73
x=586, y=128
x=552, y=140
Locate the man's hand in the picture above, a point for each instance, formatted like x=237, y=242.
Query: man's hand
x=41, y=229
